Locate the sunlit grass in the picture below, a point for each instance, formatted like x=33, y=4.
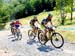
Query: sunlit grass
x=68, y=32
x=68, y=35
x=40, y=16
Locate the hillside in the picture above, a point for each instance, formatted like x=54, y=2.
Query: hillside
x=66, y=30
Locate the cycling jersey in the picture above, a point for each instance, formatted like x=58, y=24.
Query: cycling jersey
x=17, y=24
x=12, y=24
x=32, y=22
x=45, y=21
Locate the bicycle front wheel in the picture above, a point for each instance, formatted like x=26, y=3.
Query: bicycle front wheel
x=57, y=40
x=31, y=34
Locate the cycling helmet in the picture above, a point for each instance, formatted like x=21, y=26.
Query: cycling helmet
x=35, y=17
x=17, y=20
x=50, y=14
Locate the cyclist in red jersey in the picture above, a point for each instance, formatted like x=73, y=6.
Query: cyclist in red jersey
x=17, y=24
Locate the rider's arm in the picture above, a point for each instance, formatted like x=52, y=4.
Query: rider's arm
x=20, y=23
x=38, y=22
x=51, y=23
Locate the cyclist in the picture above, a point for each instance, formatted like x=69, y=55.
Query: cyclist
x=45, y=22
x=12, y=26
x=17, y=24
x=32, y=24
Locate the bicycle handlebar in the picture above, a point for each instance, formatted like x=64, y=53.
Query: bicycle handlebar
x=51, y=28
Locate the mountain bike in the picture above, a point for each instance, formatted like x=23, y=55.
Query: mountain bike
x=17, y=34
x=56, y=38
x=31, y=33
x=12, y=30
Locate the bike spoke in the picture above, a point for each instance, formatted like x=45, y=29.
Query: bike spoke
x=57, y=40
x=31, y=35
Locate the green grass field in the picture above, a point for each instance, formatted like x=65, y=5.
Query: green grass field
x=68, y=34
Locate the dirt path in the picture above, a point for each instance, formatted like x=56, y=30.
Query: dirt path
x=25, y=47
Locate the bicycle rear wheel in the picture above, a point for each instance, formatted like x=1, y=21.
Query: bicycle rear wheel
x=31, y=34
x=42, y=39
x=57, y=40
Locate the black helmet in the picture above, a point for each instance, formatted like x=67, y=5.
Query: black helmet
x=35, y=17
x=50, y=14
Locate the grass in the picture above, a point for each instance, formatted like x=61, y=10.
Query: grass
x=67, y=34
x=40, y=16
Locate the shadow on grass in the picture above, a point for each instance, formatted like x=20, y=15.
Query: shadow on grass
x=45, y=48
x=70, y=23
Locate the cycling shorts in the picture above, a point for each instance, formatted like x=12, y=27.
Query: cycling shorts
x=17, y=26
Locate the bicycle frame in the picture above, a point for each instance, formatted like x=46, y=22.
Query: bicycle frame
x=37, y=31
x=35, y=34
x=50, y=32
x=50, y=37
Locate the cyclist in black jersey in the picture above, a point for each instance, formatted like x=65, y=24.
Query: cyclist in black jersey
x=32, y=23
x=44, y=23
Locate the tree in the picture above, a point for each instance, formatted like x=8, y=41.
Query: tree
x=64, y=6
x=60, y=4
x=71, y=9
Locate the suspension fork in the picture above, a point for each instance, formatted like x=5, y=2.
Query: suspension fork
x=38, y=31
x=49, y=34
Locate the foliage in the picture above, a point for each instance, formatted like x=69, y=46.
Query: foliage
x=64, y=6
x=15, y=9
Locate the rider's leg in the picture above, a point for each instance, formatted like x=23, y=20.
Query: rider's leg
x=49, y=36
x=50, y=33
x=18, y=30
x=34, y=30
x=45, y=34
x=12, y=30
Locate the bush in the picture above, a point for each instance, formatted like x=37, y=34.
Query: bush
x=22, y=8
x=2, y=25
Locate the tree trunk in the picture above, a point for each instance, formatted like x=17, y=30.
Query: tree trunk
x=62, y=11
x=71, y=10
